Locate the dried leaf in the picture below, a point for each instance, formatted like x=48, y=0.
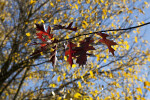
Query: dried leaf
x=109, y=43
x=53, y=56
x=70, y=52
x=57, y=27
x=43, y=32
x=80, y=52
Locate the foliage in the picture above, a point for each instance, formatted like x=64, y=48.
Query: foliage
x=35, y=62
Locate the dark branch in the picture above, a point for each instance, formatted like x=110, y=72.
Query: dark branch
x=106, y=31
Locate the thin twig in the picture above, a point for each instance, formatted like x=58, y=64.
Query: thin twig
x=110, y=30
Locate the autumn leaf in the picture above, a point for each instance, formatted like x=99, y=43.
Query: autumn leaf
x=69, y=27
x=53, y=56
x=43, y=32
x=38, y=51
x=108, y=42
x=57, y=27
x=103, y=35
x=146, y=83
x=40, y=27
x=70, y=52
x=80, y=52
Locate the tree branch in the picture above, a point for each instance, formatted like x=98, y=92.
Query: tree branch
x=105, y=31
x=19, y=87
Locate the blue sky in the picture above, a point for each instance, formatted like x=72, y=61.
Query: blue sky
x=143, y=29
x=146, y=28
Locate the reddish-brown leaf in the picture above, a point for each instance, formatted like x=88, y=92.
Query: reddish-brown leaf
x=103, y=35
x=108, y=42
x=40, y=27
x=69, y=27
x=53, y=56
x=48, y=32
x=80, y=52
x=42, y=48
x=70, y=52
x=57, y=27
x=43, y=32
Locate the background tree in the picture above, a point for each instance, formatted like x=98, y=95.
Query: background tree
x=123, y=76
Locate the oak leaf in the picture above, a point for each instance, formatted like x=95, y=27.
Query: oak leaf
x=108, y=42
x=53, y=58
x=70, y=52
x=57, y=27
x=81, y=52
x=43, y=32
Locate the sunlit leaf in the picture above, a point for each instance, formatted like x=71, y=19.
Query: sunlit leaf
x=77, y=95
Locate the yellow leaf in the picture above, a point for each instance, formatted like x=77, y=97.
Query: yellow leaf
x=84, y=26
x=139, y=90
x=87, y=1
x=112, y=95
x=41, y=53
x=73, y=65
x=77, y=95
x=64, y=75
x=26, y=23
x=130, y=11
x=127, y=47
x=135, y=77
x=103, y=17
x=143, y=98
x=146, y=83
x=42, y=21
x=104, y=60
x=32, y=1
x=113, y=26
x=111, y=75
x=143, y=22
x=118, y=94
x=76, y=6
x=58, y=0
x=51, y=50
x=28, y=34
x=25, y=44
x=135, y=39
x=59, y=78
x=105, y=73
x=124, y=1
x=141, y=11
x=111, y=17
x=130, y=69
x=67, y=37
x=102, y=1
x=148, y=89
x=30, y=77
x=65, y=57
x=82, y=78
x=55, y=21
x=128, y=36
x=51, y=4
x=91, y=98
x=52, y=85
x=59, y=98
x=104, y=11
x=92, y=65
x=79, y=84
x=79, y=2
x=85, y=23
x=65, y=15
x=146, y=3
x=91, y=73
